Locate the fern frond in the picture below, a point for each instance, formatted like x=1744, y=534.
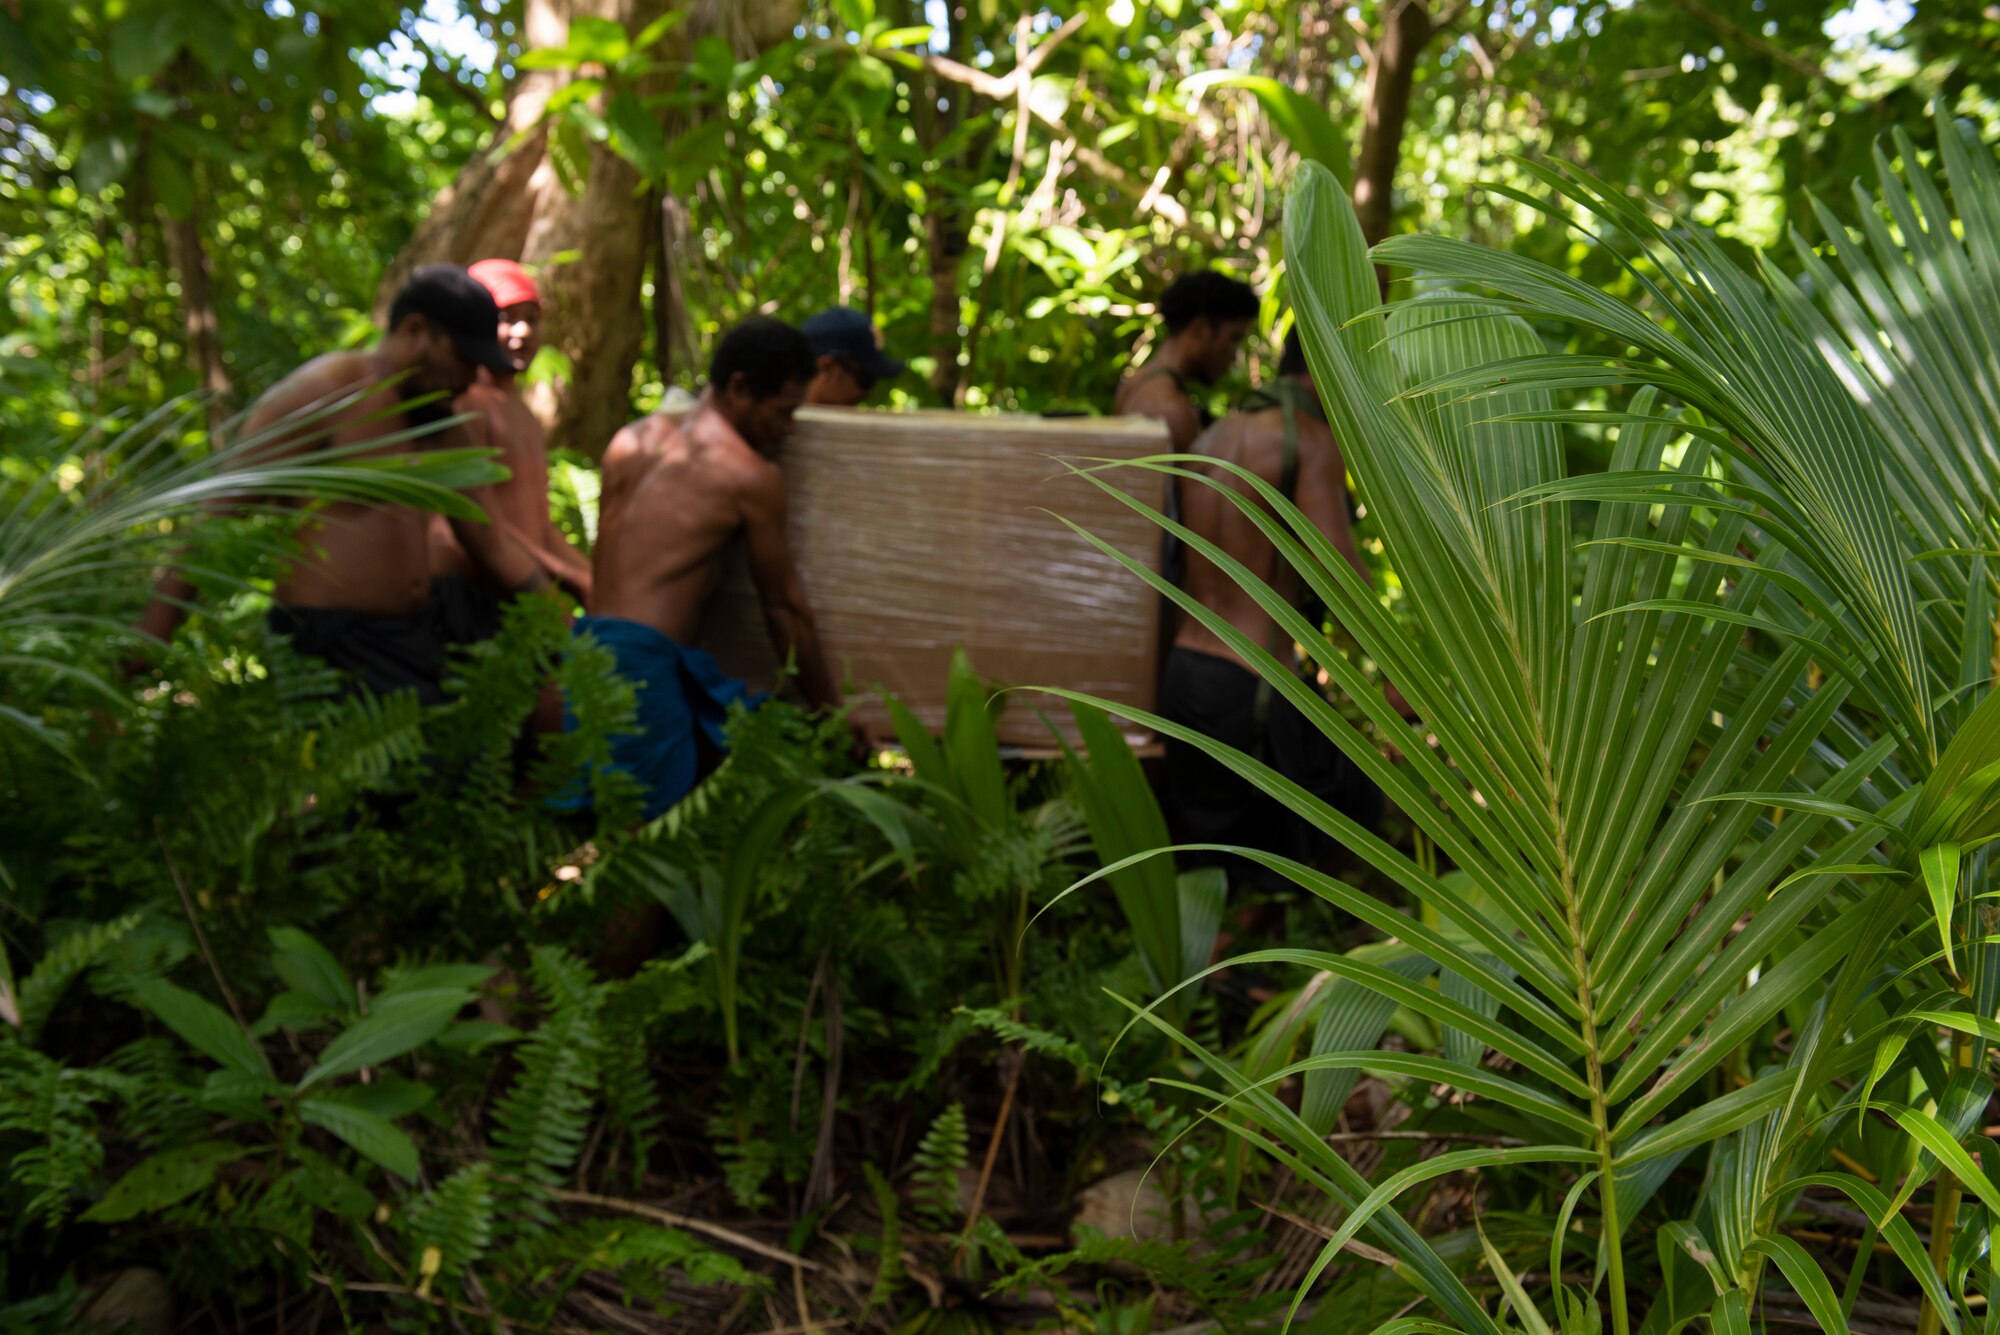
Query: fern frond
x=59, y=966
x=940, y=1156
x=361, y=738
x=625, y=1036
x=456, y=1218
x=53, y=1106
x=1037, y=1041
x=541, y=1121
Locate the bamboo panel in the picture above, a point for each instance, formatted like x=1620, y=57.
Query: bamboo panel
x=918, y=533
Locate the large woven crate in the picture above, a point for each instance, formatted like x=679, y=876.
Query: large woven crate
x=919, y=533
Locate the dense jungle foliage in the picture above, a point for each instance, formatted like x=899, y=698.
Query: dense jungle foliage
x=1665, y=999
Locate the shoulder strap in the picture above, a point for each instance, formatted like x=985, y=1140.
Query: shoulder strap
x=1286, y=395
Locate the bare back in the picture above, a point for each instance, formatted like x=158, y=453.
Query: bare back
x=674, y=495
x=362, y=558
x=1256, y=441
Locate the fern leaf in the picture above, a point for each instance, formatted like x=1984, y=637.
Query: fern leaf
x=456, y=1218
x=940, y=1155
x=540, y=1123
x=60, y=965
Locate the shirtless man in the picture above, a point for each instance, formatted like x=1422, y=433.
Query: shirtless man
x=468, y=603
x=676, y=491
x=1280, y=434
x=1208, y=315
x=358, y=595
x=848, y=349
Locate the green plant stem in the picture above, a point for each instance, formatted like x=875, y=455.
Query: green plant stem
x=1944, y=1208
x=1600, y=1116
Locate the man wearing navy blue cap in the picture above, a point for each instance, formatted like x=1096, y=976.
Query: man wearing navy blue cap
x=851, y=361
x=358, y=594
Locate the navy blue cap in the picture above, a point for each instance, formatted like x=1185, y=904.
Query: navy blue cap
x=848, y=334
x=459, y=304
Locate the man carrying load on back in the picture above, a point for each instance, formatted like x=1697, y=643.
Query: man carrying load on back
x=1208, y=315
x=677, y=492
x=1280, y=434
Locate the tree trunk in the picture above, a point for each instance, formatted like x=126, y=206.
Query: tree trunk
x=189, y=260
x=589, y=250
x=1406, y=30
x=945, y=232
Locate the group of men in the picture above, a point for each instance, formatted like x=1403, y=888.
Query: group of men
x=384, y=593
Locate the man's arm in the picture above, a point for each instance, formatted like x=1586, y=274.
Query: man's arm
x=566, y=563
x=506, y=560
x=786, y=611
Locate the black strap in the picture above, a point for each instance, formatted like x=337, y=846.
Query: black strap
x=1289, y=397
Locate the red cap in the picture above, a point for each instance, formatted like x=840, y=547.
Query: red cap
x=507, y=281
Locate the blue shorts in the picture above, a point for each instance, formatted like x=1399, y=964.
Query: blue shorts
x=683, y=699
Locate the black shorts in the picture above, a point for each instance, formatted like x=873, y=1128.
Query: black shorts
x=467, y=610
x=1207, y=803
x=385, y=654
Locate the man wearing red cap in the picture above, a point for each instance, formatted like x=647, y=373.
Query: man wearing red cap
x=356, y=595
x=468, y=602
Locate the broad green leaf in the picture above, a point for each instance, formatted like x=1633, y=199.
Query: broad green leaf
x=147, y=38
x=102, y=163
x=388, y=1096
x=1887, y=1051
x=1510, y=1284
x=1559, y=1235
x=293, y=1010
x=600, y=40
x=1932, y=1135
x=1731, y=1315
x=477, y=1035
x=166, y=1178
x=1894, y=1228
x=636, y=134
x=1836, y=869
x=658, y=28
x=1452, y=1162
x=1817, y=806
x=379, y=1141
x=1807, y=1280
x=436, y=978
x=309, y=967
x=1940, y=863
x=1692, y=1244
x=232, y=1093
x=394, y=1025
x=202, y=1025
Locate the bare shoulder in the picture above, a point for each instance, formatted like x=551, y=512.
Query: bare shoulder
x=484, y=397
x=637, y=443
x=324, y=377
x=318, y=386
x=1148, y=394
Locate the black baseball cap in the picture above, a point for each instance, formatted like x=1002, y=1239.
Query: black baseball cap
x=459, y=304
x=848, y=334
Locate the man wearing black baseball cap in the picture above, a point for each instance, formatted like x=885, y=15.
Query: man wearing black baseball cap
x=358, y=593
x=851, y=361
